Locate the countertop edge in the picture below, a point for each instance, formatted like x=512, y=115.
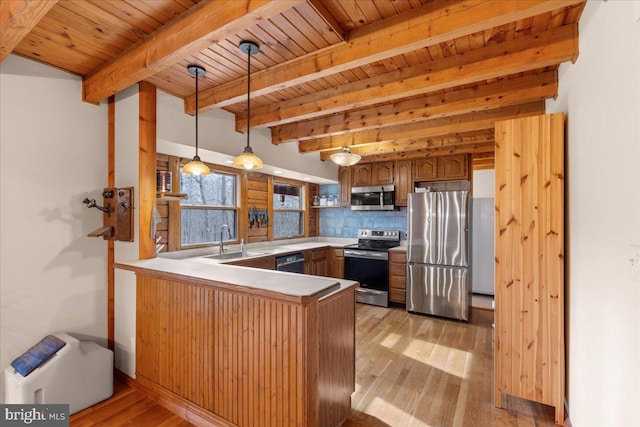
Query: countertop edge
x=315, y=287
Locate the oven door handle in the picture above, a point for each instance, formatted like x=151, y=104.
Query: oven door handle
x=366, y=254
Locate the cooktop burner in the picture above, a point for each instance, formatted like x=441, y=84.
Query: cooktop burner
x=376, y=240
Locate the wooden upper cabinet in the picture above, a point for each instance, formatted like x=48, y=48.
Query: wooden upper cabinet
x=453, y=167
x=368, y=174
x=403, y=180
x=344, y=185
x=361, y=175
x=441, y=168
x=425, y=169
x=382, y=173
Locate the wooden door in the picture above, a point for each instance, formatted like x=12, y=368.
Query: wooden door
x=382, y=173
x=361, y=175
x=453, y=167
x=344, y=185
x=425, y=169
x=529, y=253
x=403, y=180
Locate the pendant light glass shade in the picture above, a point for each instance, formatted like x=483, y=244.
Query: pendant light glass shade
x=195, y=166
x=247, y=159
x=345, y=157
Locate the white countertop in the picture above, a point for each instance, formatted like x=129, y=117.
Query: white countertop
x=272, y=248
x=287, y=284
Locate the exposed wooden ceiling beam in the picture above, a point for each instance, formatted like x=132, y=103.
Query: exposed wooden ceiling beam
x=417, y=144
x=477, y=98
x=196, y=29
x=485, y=147
x=482, y=161
x=436, y=22
x=447, y=125
x=522, y=54
x=17, y=19
x=328, y=18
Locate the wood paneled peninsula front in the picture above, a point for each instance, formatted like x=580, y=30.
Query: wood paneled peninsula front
x=236, y=346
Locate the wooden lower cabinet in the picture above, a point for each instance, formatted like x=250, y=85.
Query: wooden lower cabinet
x=264, y=262
x=225, y=355
x=336, y=263
x=316, y=262
x=397, y=276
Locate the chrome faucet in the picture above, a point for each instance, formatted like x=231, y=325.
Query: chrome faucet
x=222, y=241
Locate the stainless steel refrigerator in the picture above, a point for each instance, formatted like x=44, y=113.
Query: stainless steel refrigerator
x=438, y=276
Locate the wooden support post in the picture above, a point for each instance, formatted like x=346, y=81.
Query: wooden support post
x=111, y=182
x=146, y=169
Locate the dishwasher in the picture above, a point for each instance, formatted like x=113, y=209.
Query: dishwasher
x=292, y=263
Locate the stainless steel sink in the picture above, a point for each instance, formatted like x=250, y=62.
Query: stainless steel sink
x=234, y=255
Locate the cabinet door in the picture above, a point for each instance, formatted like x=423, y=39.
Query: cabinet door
x=453, y=167
x=361, y=175
x=382, y=173
x=425, y=169
x=344, y=185
x=319, y=260
x=403, y=180
x=336, y=263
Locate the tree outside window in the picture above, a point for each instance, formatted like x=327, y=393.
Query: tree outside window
x=288, y=210
x=211, y=204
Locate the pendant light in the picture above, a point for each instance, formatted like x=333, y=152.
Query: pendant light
x=345, y=157
x=195, y=166
x=247, y=159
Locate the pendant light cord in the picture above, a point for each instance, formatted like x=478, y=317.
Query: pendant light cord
x=248, y=93
x=197, y=73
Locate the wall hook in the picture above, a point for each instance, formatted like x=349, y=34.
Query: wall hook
x=91, y=203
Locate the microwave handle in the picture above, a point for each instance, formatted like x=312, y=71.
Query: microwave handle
x=381, y=197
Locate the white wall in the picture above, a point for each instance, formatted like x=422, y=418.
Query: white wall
x=484, y=183
x=601, y=96
x=217, y=134
x=53, y=153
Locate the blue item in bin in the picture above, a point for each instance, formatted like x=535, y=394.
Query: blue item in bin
x=37, y=355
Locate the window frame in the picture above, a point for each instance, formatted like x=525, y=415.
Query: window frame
x=303, y=211
x=237, y=208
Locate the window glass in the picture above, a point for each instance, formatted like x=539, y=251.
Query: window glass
x=211, y=203
x=288, y=210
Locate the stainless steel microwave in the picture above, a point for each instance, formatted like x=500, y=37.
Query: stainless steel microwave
x=376, y=198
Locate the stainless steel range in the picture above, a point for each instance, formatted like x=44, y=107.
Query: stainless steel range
x=368, y=263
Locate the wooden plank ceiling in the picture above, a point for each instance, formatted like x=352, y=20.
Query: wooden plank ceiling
x=388, y=78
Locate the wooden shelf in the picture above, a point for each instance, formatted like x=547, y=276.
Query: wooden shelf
x=167, y=197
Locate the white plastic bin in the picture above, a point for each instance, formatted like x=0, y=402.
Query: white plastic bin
x=80, y=374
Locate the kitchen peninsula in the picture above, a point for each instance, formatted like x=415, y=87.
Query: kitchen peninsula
x=229, y=345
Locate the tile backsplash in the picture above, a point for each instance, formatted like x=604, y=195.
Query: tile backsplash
x=343, y=222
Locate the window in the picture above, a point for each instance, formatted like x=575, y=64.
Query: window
x=288, y=210
x=212, y=203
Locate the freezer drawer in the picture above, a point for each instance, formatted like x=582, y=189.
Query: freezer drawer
x=437, y=290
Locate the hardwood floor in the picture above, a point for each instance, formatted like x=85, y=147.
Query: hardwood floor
x=411, y=370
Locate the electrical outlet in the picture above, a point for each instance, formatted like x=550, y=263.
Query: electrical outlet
x=634, y=260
